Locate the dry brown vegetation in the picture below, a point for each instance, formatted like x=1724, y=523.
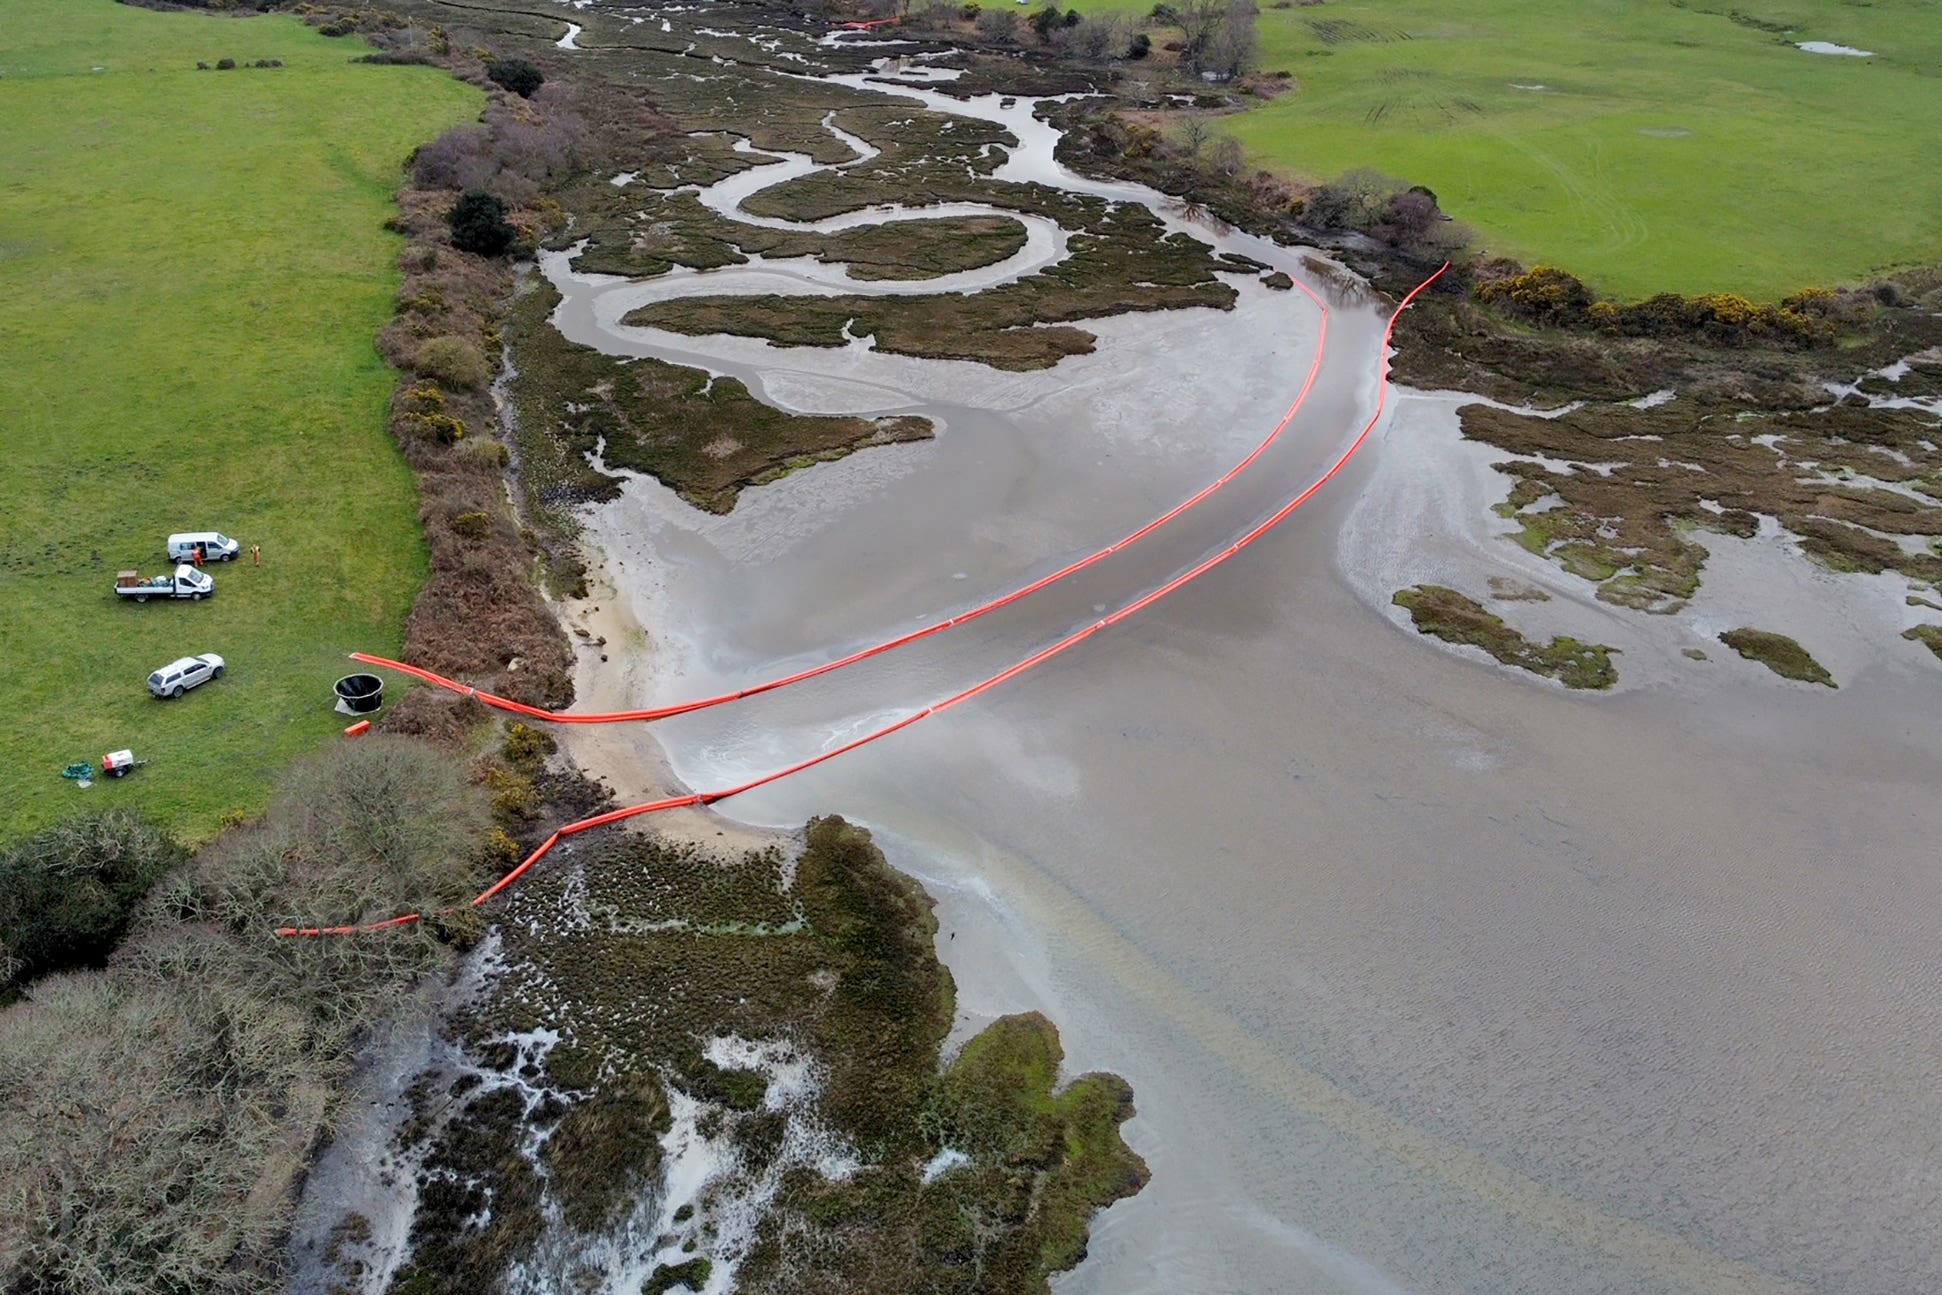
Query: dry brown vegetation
x=156, y=1115
x=1626, y=487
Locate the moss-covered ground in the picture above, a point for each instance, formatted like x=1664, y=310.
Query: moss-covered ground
x=1455, y=618
x=1778, y=653
x=196, y=265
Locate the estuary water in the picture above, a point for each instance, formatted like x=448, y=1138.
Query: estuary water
x=1428, y=977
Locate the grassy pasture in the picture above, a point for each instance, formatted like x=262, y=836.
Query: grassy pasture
x=196, y=267
x=1675, y=144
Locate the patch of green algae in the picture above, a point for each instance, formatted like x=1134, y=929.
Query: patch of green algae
x=1455, y=618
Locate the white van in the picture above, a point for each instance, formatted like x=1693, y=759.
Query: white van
x=215, y=546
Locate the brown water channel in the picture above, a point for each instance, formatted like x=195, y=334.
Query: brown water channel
x=1427, y=977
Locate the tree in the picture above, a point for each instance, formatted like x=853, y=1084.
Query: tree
x=998, y=25
x=1198, y=20
x=66, y=893
x=516, y=75
x=478, y=222
x=1194, y=134
x=1226, y=157
x=1231, y=47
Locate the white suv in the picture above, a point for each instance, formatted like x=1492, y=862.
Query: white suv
x=177, y=677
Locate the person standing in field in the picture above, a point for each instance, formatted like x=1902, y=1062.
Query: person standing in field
x=256, y=555
x=197, y=556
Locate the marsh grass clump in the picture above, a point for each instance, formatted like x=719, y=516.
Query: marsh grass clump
x=606, y=1150
x=1455, y=618
x=689, y=1275
x=1623, y=496
x=1929, y=636
x=649, y=235
x=1778, y=653
x=1121, y=261
x=669, y=949
x=705, y=438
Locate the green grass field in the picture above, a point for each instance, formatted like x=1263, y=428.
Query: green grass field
x=1673, y=145
x=195, y=268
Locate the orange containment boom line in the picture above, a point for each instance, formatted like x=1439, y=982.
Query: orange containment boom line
x=936, y=627
x=1065, y=644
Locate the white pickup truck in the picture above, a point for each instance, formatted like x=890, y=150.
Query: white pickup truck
x=187, y=582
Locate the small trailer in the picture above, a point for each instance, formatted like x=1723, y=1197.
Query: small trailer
x=119, y=764
x=187, y=582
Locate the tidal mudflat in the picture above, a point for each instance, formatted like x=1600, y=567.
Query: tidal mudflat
x=1428, y=976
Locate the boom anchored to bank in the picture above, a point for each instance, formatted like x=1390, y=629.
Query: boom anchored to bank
x=1065, y=644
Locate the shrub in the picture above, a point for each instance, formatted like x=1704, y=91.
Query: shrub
x=1812, y=301
x=422, y=398
x=472, y=526
x=516, y=75
x=526, y=748
x=398, y=58
x=225, y=64
x=1544, y=295
x=67, y=893
x=442, y=428
x=478, y=222
x=1142, y=46
x=454, y=361
x=498, y=852
x=514, y=799
x=159, y=1112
